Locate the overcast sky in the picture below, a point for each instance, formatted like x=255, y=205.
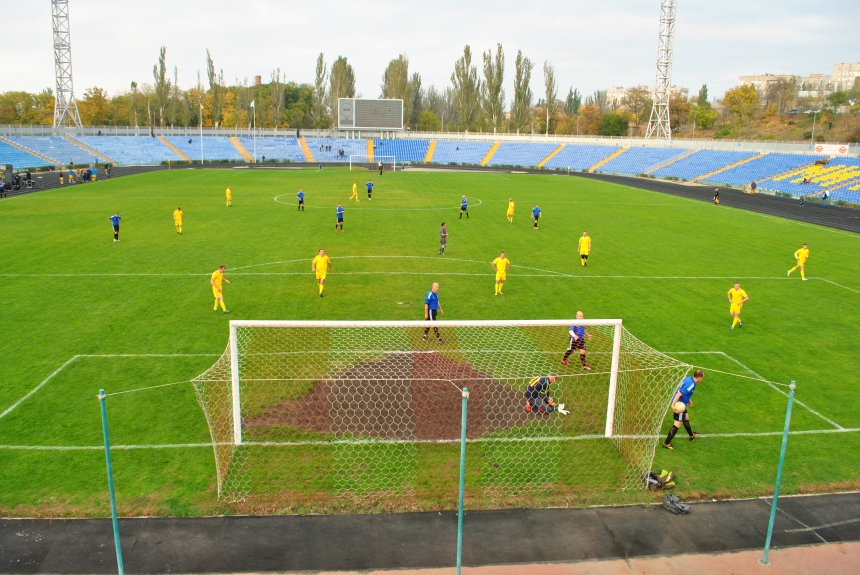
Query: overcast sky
x=593, y=45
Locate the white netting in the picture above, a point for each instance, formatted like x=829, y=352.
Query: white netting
x=360, y=161
x=362, y=414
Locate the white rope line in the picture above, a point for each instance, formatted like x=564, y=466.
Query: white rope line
x=761, y=379
x=148, y=388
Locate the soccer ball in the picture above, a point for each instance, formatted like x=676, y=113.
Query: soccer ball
x=679, y=407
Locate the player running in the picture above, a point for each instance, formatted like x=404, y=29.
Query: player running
x=301, y=197
x=215, y=281
x=431, y=307
x=737, y=298
x=443, y=239
x=584, y=248
x=464, y=208
x=354, y=192
x=536, y=215
x=339, y=221
x=114, y=220
x=684, y=396
x=369, y=186
x=501, y=265
x=510, y=210
x=177, y=220
x=229, y=197
x=578, y=333
x=320, y=266
x=801, y=256
x=538, y=399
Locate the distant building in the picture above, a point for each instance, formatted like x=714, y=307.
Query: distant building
x=763, y=81
x=842, y=78
x=844, y=75
x=616, y=94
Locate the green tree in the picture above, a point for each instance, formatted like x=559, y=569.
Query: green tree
x=493, y=92
x=341, y=84
x=551, y=92
x=161, y=85
x=428, y=121
x=216, y=90
x=397, y=85
x=523, y=97
x=466, y=89
x=679, y=112
x=837, y=99
x=318, y=109
x=95, y=107
x=276, y=97
x=702, y=99
x=613, y=124
x=572, y=102
x=638, y=102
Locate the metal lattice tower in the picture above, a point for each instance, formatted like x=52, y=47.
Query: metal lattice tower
x=659, y=125
x=65, y=106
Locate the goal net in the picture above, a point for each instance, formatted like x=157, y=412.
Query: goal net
x=366, y=415
x=389, y=163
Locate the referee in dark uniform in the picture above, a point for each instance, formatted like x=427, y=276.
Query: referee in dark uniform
x=431, y=308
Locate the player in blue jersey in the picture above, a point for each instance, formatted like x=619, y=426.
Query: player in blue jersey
x=684, y=395
x=443, y=239
x=339, y=222
x=301, y=197
x=369, y=186
x=578, y=333
x=536, y=215
x=464, y=208
x=114, y=220
x=431, y=308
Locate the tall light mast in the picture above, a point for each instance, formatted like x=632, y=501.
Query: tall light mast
x=65, y=106
x=659, y=125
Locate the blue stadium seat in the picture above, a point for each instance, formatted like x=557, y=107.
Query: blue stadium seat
x=766, y=166
x=525, y=155
x=701, y=163
x=403, y=150
x=131, y=149
x=215, y=148
x=57, y=148
x=837, y=176
x=460, y=152
x=19, y=159
x=274, y=148
x=350, y=147
x=639, y=159
x=579, y=157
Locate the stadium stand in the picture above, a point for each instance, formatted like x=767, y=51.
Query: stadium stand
x=701, y=163
x=19, y=158
x=214, y=148
x=524, y=155
x=835, y=175
x=580, y=157
x=403, y=150
x=56, y=148
x=460, y=152
x=349, y=147
x=638, y=160
x=767, y=166
x=132, y=149
x=847, y=192
x=283, y=149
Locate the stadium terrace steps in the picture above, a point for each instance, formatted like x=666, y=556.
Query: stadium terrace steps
x=176, y=150
x=241, y=149
x=730, y=166
x=101, y=155
x=550, y=156
x=668, y=162
x=370, y=148
x=431, y=149
x=305, y=150
x=28, y=150
x=609, y=158
x=490, y=153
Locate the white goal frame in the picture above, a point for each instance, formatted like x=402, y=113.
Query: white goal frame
x=356, y=158
x=234, y=350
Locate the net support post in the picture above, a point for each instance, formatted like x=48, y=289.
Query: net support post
x=234, y=380
x=773, y=506
x=114, y=519
x=463, y=417
x=613, y=380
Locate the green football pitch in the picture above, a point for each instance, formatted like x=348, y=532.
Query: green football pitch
x=79, y=312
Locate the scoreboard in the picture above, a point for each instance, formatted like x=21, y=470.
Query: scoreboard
x=355, y=114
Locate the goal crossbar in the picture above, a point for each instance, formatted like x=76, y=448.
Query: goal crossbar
x=364, y=159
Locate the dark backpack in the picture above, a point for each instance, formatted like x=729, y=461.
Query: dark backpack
x=665, y=480
x=673, y=504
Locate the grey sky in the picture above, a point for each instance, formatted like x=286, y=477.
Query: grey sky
x=593, y=45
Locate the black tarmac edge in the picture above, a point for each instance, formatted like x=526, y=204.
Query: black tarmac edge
x=419, y=540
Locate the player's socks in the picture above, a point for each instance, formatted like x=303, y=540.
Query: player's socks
x=688, y=428
x=735, y=322
x=791, y=270
x=216, y=306
x=803, y=274
x=582, y=360
x=501, y=285
x=467, y=215
x=223, y=307
x=671, y=435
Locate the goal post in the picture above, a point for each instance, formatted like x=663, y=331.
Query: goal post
x=372, y=163
x=360, y=411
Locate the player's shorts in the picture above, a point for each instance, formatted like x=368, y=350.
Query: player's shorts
x=217, y=293
x=683, y=416
x=510, y=212
x=583, y=255
x=501, y=276
x=177, y=222
x=320, y=275
x=578, y=343
x=540, y=405
x=464, y=208
x=801, y=262
x=431, y=314
x=340, y=219
x=736, y=308
x=301, y=202
x=116, y=228
x=443, y=241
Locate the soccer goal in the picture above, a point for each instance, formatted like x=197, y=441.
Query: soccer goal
x=389, y=163
x=302, y=412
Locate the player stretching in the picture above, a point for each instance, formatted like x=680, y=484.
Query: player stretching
x=801, y=256
x=536, y=215
x=301, y=197
x=443, y=239
x=339, y=221
x=215, y=280
x=369, y=186
x=501, y=265
x=114, y=220
x=177, y=220
x=320, y=265
x=431, y=306
x=464, y=208
x=354, y=192
x=684, y=395
x=737, y=298
x=229, y=197
x=584, y=248
x=538, y=399
x=578, y=333
x=510, y=210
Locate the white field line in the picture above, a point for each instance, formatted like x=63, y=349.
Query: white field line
x=825, y=526
x=295, y=202
x=37, y=388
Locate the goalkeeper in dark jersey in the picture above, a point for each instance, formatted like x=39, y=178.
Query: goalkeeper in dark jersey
x=538, y=398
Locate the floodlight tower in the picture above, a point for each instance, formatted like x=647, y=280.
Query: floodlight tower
x=658, y=124
x=65, y=106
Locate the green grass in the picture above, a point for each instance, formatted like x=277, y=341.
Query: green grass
x=684, y=256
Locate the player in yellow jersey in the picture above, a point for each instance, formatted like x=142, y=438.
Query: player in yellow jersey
x=229, y=197
x=501, y=265
x=510, y=210
x=354, y=192
x=801, y=256
x=215, y=280
x=737, y=299
x=320, y=265
x=177, y=219
x=584, y=248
